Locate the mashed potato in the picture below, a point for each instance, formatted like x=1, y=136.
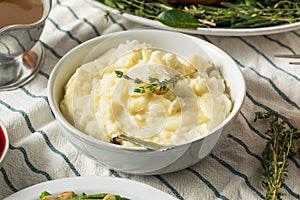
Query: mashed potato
x=102, y=105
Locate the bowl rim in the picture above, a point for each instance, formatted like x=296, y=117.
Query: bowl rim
x=5, y=150
x=91, y=140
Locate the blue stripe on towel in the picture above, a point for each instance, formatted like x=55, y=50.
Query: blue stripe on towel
x=76, y=16
x=34, y=96
x=115, y=22
x=53, y=149
x=240, y=142
x=252, y=128
x=235, y=172
x=44, y=74
x=297, y=196
x=267, y=108
x=284, y=96
x=29, y=164
x=209, y=185
x=268, y=59
x=295, y=162
x=65, y=31
x=279, y=43
x=51, y=50
x=7, y=181
x=32, y=130
x=173, y=190
x=296, y=33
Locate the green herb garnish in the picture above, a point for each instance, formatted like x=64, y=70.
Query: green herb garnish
x=231, y=14
x=153, y=85
x=44, y=194
x=279, y=147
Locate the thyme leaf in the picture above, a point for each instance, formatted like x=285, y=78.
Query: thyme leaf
x=153, y=85
x=279, y=147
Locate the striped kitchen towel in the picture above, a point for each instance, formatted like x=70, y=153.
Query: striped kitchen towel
x=39, y=152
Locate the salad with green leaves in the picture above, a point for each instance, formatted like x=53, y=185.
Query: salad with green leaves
x=70, y=195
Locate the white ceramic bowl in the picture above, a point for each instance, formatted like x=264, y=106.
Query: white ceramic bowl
x=4, y=142
x=137, y=160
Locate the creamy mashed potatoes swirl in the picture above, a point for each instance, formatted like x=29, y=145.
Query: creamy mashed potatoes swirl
x=102, y=105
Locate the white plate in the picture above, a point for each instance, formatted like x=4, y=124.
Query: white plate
x=92, y=185
x=206, y=31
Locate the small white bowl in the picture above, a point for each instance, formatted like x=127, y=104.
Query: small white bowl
x=137, y=160
x=4, y=142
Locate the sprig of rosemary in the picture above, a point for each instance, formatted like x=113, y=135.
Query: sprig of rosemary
x=153, y=85
x=279, y=147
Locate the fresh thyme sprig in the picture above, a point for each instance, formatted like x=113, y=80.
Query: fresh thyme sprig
x=279, y=147
x=153, y=85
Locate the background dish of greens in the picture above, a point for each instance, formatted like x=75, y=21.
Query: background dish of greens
x=233, y=15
